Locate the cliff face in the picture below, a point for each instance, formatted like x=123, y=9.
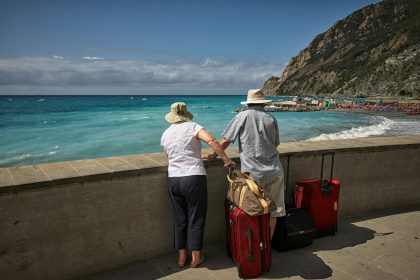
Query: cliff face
x=373, y=51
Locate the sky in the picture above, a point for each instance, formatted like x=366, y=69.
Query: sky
x=155, y=47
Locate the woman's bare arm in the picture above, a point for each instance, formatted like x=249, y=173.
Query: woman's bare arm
x=204, y=136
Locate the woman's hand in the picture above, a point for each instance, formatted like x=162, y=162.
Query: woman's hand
x=230, y=164
x=208, y=155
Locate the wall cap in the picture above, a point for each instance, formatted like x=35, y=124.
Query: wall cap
x=16, y=179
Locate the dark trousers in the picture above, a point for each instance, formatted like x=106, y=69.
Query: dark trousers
x=189, y=207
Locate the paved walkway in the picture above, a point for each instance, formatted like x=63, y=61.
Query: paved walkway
x=383, y=245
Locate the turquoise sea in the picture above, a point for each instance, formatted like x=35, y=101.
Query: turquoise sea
x=38, y=129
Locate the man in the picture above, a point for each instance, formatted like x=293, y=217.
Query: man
x=258, y=137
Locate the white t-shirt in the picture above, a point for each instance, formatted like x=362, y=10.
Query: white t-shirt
x=183, y=149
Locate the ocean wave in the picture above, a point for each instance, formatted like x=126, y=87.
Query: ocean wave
x=16, y=159
x=358, y=132
x=25, y=158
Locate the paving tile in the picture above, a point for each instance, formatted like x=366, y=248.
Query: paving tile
x=303, y=263
x=282, y=266
x=397, y=266
x=59, y=170
x=226, y=273
x=116, y=164
x=408, y=249
x=349, y=235
x=141, y=161
x=405, y=223
x=398, y=140
x=337, y=273
x=27, y=174
x=367, y=271
x=5, y=178
x=159, y=158
x=167, y=266
x=88, y=167
x=141, y=271
x=346, y=258
x=384, y=232
x=192, y=274
x=218, y=263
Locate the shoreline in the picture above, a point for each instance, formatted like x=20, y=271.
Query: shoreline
x=389, y=114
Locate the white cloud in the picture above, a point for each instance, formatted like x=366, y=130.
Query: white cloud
x=53, y=72
x=93, y=58
x=58, y=57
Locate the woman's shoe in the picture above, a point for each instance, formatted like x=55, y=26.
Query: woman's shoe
x=182, y=265
x=202, y=259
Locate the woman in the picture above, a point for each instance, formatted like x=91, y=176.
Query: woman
x=187, y=179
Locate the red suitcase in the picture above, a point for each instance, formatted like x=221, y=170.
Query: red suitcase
x=248, y=241
x=320, y=199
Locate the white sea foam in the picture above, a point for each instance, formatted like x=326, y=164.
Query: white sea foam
x=403, y=126
x=25, y=156
x=358, y=132
x=135, y=117
x=14, y=159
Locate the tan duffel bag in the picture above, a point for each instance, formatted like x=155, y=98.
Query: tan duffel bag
x=248, y=195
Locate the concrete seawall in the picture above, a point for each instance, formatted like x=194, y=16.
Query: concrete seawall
x=71, y=219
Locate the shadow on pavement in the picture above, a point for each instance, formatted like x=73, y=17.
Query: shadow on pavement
x=303, y=262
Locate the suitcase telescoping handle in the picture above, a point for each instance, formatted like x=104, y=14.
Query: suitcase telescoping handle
x=326, y=186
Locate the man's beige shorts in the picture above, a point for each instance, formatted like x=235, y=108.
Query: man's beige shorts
x=275, y=188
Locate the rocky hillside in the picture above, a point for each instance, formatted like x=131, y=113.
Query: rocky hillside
x=375, y=51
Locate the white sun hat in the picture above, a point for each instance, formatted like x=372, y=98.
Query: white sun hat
x=255, y=96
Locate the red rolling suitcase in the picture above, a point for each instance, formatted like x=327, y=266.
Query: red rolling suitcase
x=320, y=199
x=248, y=241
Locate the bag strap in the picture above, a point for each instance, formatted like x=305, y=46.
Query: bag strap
x=253, y=187
x=256, y=190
